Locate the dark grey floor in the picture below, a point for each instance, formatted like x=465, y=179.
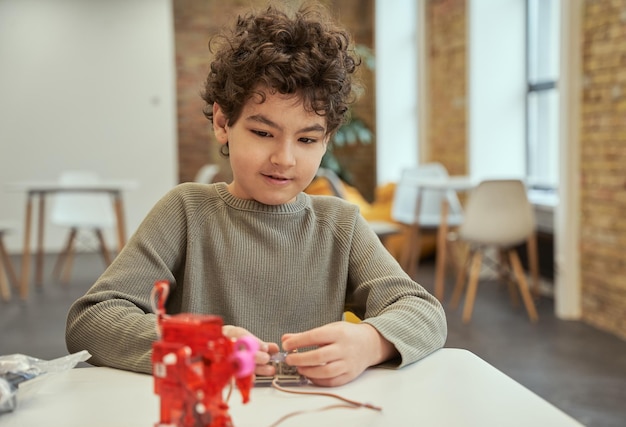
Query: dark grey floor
x=574, y=366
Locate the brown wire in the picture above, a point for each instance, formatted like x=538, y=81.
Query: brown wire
x=351, y=404
x=321, y=393
x=231, y=385
x=308, y=411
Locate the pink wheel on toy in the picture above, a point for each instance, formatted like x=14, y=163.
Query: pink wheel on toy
x=243, y=358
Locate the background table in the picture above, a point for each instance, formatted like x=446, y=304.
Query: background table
x=444, y=185
x=451, y=387
x=39, y=190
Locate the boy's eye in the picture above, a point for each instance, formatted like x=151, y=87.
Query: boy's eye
x=308, y=140
x=261, y=133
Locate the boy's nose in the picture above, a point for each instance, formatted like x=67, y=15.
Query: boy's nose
x=283, y=155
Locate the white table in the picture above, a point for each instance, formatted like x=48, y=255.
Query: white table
x=451, y=387
x=384, y=229
x=40, y=189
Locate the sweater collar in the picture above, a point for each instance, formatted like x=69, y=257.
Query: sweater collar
x=301, y=202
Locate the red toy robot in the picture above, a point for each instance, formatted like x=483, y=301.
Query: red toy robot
x=192, y=363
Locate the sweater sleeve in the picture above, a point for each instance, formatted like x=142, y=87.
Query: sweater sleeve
x=114, y=320
x=384, y=296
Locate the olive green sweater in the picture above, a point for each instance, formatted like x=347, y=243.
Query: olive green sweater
x=269, y=269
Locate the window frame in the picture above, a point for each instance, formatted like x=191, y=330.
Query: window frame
x=539, y=87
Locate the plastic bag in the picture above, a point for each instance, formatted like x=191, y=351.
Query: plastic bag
x=17, y=369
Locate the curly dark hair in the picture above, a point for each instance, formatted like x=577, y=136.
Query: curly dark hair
x=307, y=55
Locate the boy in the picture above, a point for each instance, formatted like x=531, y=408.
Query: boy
x=271, y=260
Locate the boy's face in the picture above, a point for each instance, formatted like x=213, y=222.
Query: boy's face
x=275, y=148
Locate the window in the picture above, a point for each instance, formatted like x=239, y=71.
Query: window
x=542, y=115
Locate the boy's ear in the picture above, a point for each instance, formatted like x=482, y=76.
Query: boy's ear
x=220, y=124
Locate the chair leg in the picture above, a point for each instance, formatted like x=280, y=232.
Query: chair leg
x=459, y=286
x=453, y=247
x=523, y=285
x=405, y=252
x=533, y=263
x=411, y=251
x=506, y=276
x=61, y=259
x=441, y=251
x=103, y=247
x=472, y=286
x=69, y=260
x=503, y=266
x=5, y=290
x=8, y=265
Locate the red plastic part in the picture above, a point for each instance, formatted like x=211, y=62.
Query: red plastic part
x=192, y=363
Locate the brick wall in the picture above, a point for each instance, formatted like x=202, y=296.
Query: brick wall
x=195, y=21
x=447, y=84
x=359, y=159
x=603, y=165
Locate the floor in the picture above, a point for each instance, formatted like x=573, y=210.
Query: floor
x=575, y=367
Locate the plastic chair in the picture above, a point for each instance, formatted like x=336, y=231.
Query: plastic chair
x=207, y=173
x=497, y=215
x=6, y=267
x=81, y=211
x=334, y=181
x=420, y=209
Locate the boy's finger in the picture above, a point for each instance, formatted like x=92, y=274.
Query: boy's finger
x=314, y=337
x=272, y=348
x=265, y=370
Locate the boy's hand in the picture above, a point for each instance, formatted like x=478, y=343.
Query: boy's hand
x=345, y=351
x=262, y=357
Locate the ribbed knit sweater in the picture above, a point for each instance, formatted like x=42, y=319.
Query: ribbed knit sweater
x=269, y=269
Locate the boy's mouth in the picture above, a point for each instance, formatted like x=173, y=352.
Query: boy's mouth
x=277, y=177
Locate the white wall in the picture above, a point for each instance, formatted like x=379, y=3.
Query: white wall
x=497, y=88
x=396, y=88
x=86, y=84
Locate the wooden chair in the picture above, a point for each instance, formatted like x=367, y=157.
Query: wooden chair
x=7, y=272
x=420, y=209
x=81, y=211
x=497, y=215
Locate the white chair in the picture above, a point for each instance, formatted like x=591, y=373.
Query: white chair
x=80, y=211
x=207, y=173
x=6, y=267
x=497, y=215
x=335, y=183
x=420, y=209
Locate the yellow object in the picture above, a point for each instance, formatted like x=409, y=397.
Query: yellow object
x=378, y=210
x=351, y=317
